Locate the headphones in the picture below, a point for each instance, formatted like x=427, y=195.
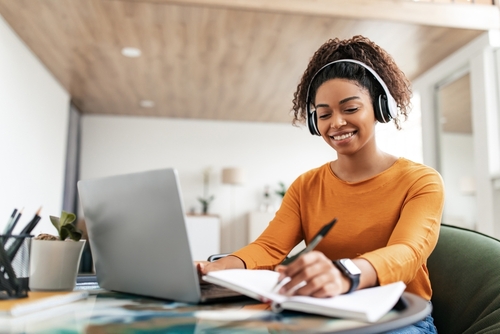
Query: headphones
x=385, y=107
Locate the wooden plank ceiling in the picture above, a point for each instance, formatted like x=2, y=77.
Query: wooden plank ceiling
x=200, y=62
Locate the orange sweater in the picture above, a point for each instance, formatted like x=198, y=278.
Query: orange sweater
x=392, y=220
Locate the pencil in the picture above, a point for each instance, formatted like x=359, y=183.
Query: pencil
x=10, y=221
x=14, y=247
x=11, y=228
x=32, y=224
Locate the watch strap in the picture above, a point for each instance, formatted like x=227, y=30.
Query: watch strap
x=353, y=278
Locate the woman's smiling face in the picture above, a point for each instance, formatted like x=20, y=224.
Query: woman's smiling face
x=345, y=116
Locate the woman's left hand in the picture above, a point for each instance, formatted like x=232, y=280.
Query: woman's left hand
x=321, y=277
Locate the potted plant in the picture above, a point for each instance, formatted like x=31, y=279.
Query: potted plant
x=281, y=189
x=280, y=192
x=54, y=260
x=206, y=199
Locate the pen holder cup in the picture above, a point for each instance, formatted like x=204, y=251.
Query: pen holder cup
x=14, y=266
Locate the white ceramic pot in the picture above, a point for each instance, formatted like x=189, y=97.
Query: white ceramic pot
x=54, y=264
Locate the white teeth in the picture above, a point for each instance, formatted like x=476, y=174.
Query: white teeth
x=344, y=136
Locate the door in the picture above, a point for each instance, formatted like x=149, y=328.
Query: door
x=455, y=152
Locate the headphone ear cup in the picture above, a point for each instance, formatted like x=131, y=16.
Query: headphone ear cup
x=311, y=123
x=381, y=109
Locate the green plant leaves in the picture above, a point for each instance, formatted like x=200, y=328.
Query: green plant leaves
x=70, y=231
x=206, y=201
x=282, y=189
x=55, y=222
x=67, y=218
x=65, y=227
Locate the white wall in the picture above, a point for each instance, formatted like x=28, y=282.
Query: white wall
x=425, y=85
x=33, y=129
x=268, y=152
x=478, y=58
x=460, y=208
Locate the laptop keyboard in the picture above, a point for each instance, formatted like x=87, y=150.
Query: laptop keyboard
x=209, y=290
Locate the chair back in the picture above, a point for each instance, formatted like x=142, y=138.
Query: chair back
x=464, y=271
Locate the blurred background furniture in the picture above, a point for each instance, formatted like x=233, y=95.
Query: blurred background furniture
x=258, y=221
x=465, y=276
x=204, y=235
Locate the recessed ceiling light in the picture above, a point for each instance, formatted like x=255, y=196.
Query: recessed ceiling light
x=131, y=52
x=146, y=103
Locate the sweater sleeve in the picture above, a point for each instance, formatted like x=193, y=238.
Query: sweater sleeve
x=415, y=234
x=278, y=239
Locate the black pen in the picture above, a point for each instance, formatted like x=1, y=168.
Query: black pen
x=314, y=242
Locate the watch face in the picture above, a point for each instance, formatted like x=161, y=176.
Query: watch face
x=350, y=266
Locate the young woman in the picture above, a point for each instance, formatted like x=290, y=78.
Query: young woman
x=388, y=208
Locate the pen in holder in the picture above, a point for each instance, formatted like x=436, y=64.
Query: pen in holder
x=14, y=265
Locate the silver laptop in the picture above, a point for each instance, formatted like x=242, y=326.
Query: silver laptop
x=138, y=238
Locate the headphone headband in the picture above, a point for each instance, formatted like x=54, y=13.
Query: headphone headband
x=385, y=110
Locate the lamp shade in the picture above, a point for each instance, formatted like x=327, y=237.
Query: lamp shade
x=233, y=175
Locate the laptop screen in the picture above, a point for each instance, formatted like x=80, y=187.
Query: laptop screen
x=137, y=234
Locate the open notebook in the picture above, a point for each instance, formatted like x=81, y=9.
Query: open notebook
x=366, y=305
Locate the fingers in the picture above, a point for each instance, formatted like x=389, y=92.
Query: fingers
x=197, y=263
x=200, y=265
x=321, y=277
x=228, y=262
x=305, y=265
x=282, y=271
x=321, y=286
x=205, y=267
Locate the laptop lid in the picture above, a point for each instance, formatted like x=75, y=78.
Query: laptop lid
x=137, y=234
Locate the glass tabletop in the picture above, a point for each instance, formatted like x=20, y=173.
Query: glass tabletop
x=111, y=312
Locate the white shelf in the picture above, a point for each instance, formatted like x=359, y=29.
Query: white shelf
x=257, y=223
x=204, y=236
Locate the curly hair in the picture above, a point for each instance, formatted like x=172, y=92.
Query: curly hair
x=364, y=50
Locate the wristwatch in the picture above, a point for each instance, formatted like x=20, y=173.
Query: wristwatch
x=349, y=270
